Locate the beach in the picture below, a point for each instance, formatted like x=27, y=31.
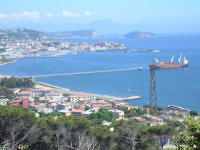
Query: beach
x=42, y=85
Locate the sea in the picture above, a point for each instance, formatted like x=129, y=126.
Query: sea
x=177, y=86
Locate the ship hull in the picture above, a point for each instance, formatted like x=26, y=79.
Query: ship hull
x=166, y=66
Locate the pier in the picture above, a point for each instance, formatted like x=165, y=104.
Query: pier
x=81, y=73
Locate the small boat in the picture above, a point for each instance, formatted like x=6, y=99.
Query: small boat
x=140, y=68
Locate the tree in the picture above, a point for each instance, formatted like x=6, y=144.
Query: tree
x=69, y=133
x=194, y=113
x=189, y=135
x=5, y=92
x=105, y=139
x=17, y=124
x=16, y=82
x=129, y=134
x=103, y=114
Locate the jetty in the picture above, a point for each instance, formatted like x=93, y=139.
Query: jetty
x=81, y=73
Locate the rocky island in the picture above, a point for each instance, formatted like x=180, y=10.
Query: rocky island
x=139, y=34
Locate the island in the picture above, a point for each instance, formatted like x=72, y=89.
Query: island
x=139, y=34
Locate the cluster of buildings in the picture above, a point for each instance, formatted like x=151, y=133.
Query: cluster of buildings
x=48, y=101
x=12, y=49
x=98, y=46
x=44, y=47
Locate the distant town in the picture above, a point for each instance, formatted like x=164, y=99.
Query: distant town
x=29, y=43
x=19, y=43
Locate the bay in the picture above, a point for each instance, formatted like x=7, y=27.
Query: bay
x=179, y=86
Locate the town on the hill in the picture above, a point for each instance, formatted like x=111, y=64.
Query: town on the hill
x=30, y=43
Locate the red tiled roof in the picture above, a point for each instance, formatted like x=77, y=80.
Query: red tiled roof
x=139, y=119
x=55, y=101
x=40, y=90
x=77, y=110
x=14, y=102
x=25, y=93
x=25, y=98
x=32, y=104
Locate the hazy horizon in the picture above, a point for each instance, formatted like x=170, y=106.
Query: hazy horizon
x=107, y=17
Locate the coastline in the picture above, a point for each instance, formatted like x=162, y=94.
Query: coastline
x=5, y=63
x=62, y=90
x=91, y=51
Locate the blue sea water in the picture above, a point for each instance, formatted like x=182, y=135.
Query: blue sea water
x=179, y=86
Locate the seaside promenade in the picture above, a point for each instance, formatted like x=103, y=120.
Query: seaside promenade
x=58, y=89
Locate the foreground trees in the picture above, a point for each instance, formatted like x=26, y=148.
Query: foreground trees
x=17, y=124
x=20, y=128
x=189, y=135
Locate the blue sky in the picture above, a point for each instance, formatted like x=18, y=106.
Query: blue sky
x=160, y=16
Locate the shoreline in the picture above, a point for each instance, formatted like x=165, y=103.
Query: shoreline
x=5, y=63
x=62, y=90
x=87, y=51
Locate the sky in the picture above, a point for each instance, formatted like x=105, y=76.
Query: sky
x=106, y=16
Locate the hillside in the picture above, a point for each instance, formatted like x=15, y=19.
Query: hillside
x=139, y=34
x=22, y=34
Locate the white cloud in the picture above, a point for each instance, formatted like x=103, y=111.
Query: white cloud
x=31, y=15
x=3, y=16
x=48, y=15
x=87, y=13
x=35, y=15
x=66, y=13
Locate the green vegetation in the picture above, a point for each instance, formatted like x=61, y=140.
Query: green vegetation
x=103, y=114
x=20, y=128
x=173, y=123
x=16, y=83
x=5, y=92
x=129, y=113
x=37, y=99
x=194, y=113
x=53, y=114
x=189, y=135
x=161, y=130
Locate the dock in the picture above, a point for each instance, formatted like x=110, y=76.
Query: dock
x=127, y=98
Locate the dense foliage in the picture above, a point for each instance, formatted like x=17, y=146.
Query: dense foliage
x=20, y=128
x=16, y=82
x=5, y=92
x=189, y=135
x=103, y=114
x=129, y=113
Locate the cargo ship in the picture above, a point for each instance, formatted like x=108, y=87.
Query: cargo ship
x=170, y=64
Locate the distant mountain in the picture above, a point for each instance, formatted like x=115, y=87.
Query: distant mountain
x=22, y=34
x=139, y=34
x=80, y=34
